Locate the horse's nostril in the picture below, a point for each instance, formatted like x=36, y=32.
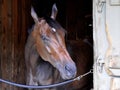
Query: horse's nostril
x=70, y=70
x=67, y=68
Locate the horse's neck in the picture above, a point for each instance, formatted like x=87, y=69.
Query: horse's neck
x=30, y=41
x=31, y=54
x=46, y=73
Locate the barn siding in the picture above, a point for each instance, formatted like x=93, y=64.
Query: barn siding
x=14, y=23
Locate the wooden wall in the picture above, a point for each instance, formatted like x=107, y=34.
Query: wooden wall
x=14, y=21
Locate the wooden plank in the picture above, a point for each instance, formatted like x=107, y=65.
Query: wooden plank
x=19, y=32
x=6, y=42
x=12, y=40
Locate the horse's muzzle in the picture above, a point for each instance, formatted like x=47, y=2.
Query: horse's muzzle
x=70, y=70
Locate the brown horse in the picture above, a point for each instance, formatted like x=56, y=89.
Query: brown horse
x=48, y=60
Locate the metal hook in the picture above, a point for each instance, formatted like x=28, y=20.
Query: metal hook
x=100, y=5
x=100, y=63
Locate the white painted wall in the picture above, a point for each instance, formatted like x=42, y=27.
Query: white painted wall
x=106, y=35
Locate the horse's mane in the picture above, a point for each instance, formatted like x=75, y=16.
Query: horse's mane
x=53, y=23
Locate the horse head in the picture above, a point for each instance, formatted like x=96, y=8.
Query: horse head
x=49, y=39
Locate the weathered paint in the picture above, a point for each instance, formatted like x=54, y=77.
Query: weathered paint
x=106, y=20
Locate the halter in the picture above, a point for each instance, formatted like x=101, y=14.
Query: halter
x=47, y=86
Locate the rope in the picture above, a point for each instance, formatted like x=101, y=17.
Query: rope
x=36, y=87
x=45, y=86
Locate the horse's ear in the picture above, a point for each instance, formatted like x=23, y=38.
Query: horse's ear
x=34, y=15
x=54, y=12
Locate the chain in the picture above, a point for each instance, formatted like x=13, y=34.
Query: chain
x=81, y=76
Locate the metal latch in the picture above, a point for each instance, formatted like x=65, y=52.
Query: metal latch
x=100, y=64
x=100, y=5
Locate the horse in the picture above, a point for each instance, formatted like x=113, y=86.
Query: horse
x=48, y=58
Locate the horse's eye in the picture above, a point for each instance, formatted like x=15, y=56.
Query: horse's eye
x=53, y=29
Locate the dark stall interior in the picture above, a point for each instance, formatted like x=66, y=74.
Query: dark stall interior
x=15, y=19
x=75, y=16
